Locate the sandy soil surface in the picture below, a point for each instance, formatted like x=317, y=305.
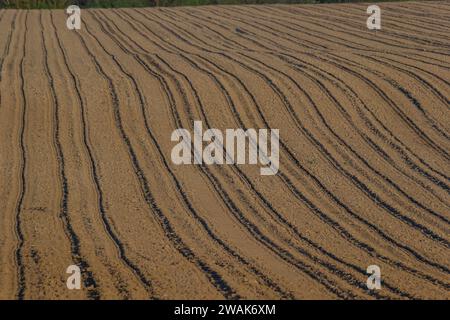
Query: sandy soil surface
x=86, y=176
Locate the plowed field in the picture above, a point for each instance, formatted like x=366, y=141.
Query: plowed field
x=86, y=176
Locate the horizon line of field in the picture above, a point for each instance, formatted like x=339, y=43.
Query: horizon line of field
x=269, y=244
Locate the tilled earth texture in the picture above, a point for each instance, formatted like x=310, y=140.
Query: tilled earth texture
x=87, y=179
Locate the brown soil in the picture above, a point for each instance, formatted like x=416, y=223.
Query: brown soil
x=87, y=179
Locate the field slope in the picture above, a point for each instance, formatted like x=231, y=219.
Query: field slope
x=87, y=179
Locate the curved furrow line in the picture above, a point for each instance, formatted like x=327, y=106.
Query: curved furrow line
x=23, y=167
x=322, y=216
x=295, y=231
x=421, y=170
x=277, y=216
x=367, y=173
x=94, y=173
x=346, y=24
x=406, y=157
x=411, y=97
x=302, y=64
x=367, y=248
x=287, y=36
x=426, y=61
x=232, y=42
x=414, y=102
x=344, y=28
x=88, y=277
x=417, y=68
x=349, y=92
x=357, y=182
x=352, y=178
x=187, y=203
x=392, y=20
x=377, y=172
x=398, y=10
x=337, y=201
x=222, y=14
x=361, y=13
x=327, y=38
x=445, y=101
x=96, y=179
x=408, y=94
x=121, y=287
x=377, y=41
x=379, y=91
x=5, y=55
x=420, y=133
x=423, y=16
x=216, y=181
x=442, y=4
x=227, y=43
x=371, y=194
x=240, y=32
x=275, y=44
x=369, y=142
x=212, y=21
x=390, y=102
x=216, y=280
x=209, y=20
x=258, y=234
x=301, y=237
x=7, y=48
x=164, y=12
x=290, y=226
